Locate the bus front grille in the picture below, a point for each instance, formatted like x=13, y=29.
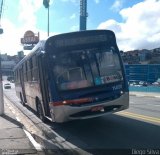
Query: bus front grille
x=91, y=113
x=97, y=101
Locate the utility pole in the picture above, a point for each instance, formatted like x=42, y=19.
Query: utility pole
x=1, y=84
x=1, y=91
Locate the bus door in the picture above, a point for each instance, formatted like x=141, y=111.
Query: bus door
x=22, y=85
x=44, y=85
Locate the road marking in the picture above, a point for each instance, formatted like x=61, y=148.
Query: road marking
x=138, y=95
x=18, y=119
x=156, y=105
x=146, y=95
x=35, y=144
x=142, y=117
x=157, y=96
x=153, y=104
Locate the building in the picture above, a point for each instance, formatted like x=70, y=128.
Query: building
x=9, y=62
x=138, y=72
x=20, y=55
x=7, y=67
x=143, y=56
x=4, y=57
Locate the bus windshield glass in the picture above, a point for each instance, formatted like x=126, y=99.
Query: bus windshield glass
x=86, y=68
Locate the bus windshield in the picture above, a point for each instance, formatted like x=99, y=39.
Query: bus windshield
x=86, y=68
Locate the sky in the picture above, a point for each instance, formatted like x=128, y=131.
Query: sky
x=136, y=23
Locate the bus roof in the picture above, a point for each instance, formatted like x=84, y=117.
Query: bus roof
x=80, y=38
x=39, y=45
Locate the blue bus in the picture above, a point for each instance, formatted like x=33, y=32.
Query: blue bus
x=76, y=75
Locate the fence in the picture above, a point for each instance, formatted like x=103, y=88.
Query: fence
x=149, y=73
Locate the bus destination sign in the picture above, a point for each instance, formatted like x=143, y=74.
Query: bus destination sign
x=80, y=40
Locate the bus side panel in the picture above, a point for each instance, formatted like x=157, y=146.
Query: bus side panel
x=32, y=83
x=32, y=90
x=36, y=85
x=44, y=85
x=18, y=89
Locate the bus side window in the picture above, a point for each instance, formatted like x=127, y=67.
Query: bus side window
x=16, y=73
x=29, y=70
x=23, y=67
x=26, y=75
x=34, y=69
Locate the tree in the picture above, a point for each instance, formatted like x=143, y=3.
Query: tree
x=46, y=3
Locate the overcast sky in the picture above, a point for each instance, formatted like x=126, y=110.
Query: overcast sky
x=136, y=23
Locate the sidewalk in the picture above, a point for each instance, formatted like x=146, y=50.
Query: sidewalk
x=13, y=139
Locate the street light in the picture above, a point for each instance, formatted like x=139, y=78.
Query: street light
x=46, y=5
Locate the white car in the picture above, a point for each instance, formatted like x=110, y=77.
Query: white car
x=7, y=86
x=156, y=83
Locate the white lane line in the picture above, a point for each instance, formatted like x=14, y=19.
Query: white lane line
x=153, y=104
x=18, y=119
x=35, y=144
x=140, y=95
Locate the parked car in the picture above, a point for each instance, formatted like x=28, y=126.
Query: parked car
x=156, y=83
x=7, y=86
x=134, y=83
x=143, y=83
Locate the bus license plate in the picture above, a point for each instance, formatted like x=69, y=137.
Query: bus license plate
x=97, y=108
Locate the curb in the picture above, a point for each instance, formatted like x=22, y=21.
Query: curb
x=61, y=145
x=140, y=94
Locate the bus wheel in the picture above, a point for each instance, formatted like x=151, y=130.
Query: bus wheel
x=40, y=111
x=22, y=101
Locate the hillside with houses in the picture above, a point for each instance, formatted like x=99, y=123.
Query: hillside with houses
x=141, y=56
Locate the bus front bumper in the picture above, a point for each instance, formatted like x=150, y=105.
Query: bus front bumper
x=66, y=112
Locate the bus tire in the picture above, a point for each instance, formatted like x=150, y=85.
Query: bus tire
x=22, y=101
x=40, y=111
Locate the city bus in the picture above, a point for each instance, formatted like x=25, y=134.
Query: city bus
x=73, y=76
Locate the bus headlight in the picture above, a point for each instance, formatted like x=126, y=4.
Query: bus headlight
x=122, y=92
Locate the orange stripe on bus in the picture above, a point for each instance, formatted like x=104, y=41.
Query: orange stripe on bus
x=75, y=101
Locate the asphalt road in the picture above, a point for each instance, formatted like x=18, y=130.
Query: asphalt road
x=148, y=106
x=135, y=128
